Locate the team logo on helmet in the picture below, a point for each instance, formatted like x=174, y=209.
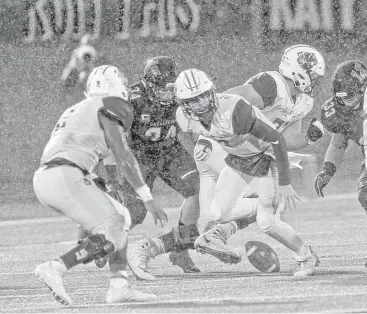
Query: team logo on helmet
x=359, y=73
x=306, y=60
x=191, y=81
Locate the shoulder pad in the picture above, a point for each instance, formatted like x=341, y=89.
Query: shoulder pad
x=118, y=110
x=265, y=85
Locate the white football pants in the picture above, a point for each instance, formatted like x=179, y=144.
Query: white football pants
x=66, y=189
x=223, y=192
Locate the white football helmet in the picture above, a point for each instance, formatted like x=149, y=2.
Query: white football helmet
x=305, y=66
x=195, y=93
x=107, y=80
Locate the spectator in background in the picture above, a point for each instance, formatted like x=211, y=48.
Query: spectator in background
x=83, y=60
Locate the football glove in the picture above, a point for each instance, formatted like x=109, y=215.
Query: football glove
x=324, y=177
x=314, y=132
x=203, y=149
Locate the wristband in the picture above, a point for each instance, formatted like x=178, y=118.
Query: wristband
x=329, y=168
x=144, y=193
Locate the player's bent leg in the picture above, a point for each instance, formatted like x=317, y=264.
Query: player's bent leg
x=119, y=290
x=78, y=197
x=179, y=239
x=180, y=173
x=229, y=188
x=281, y=231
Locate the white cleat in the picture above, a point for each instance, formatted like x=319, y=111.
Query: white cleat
x=138, y=261
x=49, y=273
x=307, y=267
x=121, y=294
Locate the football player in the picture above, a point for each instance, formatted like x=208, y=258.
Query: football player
x=85, y=133
x=284, y=97
x=154, y=141
x=251, y=142
x=83, y=60
x=286, y=106
x=343, y=116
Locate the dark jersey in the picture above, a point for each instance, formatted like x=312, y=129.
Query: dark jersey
x=154, y=129
x=337, y=119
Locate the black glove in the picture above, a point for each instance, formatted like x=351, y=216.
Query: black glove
x=315, y=131
x=324, y=177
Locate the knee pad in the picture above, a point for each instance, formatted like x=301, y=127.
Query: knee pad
x=362, y=197
x=190, y=184
x=94, y=247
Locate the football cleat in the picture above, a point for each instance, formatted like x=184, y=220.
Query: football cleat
x=138, y=261
x=262, y=257
x=123, y=293
x=53, y=278
x=307, y=267
x=183, y=259
x=214, y=243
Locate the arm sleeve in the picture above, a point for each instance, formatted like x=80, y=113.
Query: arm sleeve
x=265, y=85
x=118, y=110
x=266, y=133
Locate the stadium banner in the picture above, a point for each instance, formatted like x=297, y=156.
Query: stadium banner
x=263, y=20
x=46, y=20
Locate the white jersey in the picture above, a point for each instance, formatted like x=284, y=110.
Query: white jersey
x=78, y=135
x=225, y=125
x=280, y=107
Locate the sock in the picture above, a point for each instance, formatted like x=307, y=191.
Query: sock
x=74, y=257
x=118, y=261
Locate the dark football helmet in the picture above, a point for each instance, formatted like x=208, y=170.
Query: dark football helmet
x=160, y=74
x=349, y=82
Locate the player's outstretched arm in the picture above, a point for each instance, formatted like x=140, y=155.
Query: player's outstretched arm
x=297, y=140
x=128, y=166
x=265, y=132
x=334, y=157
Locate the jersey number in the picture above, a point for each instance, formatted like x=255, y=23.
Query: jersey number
x=62, y=121
x=154, y=133
x=329, y=109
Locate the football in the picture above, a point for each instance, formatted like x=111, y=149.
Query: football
x=262, y=257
